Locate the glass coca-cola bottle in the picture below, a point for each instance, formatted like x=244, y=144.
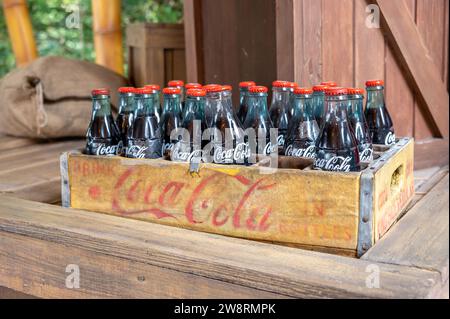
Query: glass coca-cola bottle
x=330, y=84
x=337, y=149
x=359, y=124
x=187, y=87
x=171, y=118
x=144, y=140
x=303, y=129
x=258, y=120
x=126, y=113
x=319, y=103
x=227, y=144
x=157, y=105
x=378, y=119
x=211, y=93
x=243, y=90
x=189, y=148
x=103, y=136
x=179, y=85
x=280, y=111
x=292, y=86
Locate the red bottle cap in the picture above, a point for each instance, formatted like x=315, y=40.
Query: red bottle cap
x=126, y=89
x=329, y=84
x=175, y=83
x=171, y=90
x=299, y=90
x=196, y=92
x=335, y=91
x=355, y=91
x=371, y=83
x=213, y=88
x=246, y=84
x=227, y=88
x=155, y=87
x=293, y=85
x=193, y=86
x=320, y=88
x=258, y=89
x=281, y=84
x=144, y=90
x=100, y=92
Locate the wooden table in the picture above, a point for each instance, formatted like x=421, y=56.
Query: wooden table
x=41, y=243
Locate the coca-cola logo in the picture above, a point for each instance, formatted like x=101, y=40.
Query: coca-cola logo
x=335, y=164
x=136, y=151
x=109, y=150
x=309, y=152
x=366, y=155
x=168, y=147
x=238, y=154
x=270, y=148
x=180, y=155
x=280, y=140
x=390, y=139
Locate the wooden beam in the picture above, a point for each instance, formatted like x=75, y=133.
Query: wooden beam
x=38, y=241
x=20, y=31
x=193, y=35
x=285, y=40
x=421, y=238
x=405, y=38
x=106, y=15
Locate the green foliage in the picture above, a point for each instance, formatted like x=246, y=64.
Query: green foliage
x=57, y=32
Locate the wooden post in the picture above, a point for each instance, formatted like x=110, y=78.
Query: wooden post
x=20, y=31
x=108, y=34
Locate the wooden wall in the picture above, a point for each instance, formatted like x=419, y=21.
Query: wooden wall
x=310, y=41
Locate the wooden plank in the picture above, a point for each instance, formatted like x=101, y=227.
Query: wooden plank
x=6, y=293
x=431, y=152
x=369, y=46
x=421, y=238
x=431, y=25
x=399, y=94
x=194, y=40
x=424, y=187
x=38, y=239
x=337, y=37
x=286, y=37
x=9, y=142
x=407, y=41
x=234, y=200
x=308, y=42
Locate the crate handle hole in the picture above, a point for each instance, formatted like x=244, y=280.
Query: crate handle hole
x=397, y=178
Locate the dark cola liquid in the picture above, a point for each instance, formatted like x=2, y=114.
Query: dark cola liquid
x=280, y=120
x=301, y=141
x=169, y=122
x=242, y=112
x=337, y=148
x=361, y=131
x=145, y=139
x=103, y=137
x=124, y=123
x=186, y=150
x=380, y=124
x=261, y=144
x=237, y=152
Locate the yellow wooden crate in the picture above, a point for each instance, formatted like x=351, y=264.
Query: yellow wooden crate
x=294, y=205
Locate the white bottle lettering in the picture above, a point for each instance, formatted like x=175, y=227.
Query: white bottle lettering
x=336, y=163
x=390, y=139
x=309, y=152
x=366, y=155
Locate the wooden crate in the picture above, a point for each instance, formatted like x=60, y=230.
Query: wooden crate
x=156, y=53
x=344, y=213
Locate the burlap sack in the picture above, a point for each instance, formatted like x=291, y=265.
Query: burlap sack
x=50, y=98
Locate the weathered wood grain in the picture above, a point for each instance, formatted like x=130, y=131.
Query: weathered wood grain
x=39, y=240
x=233, y=200
x=424, y=75
x=421, y=238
